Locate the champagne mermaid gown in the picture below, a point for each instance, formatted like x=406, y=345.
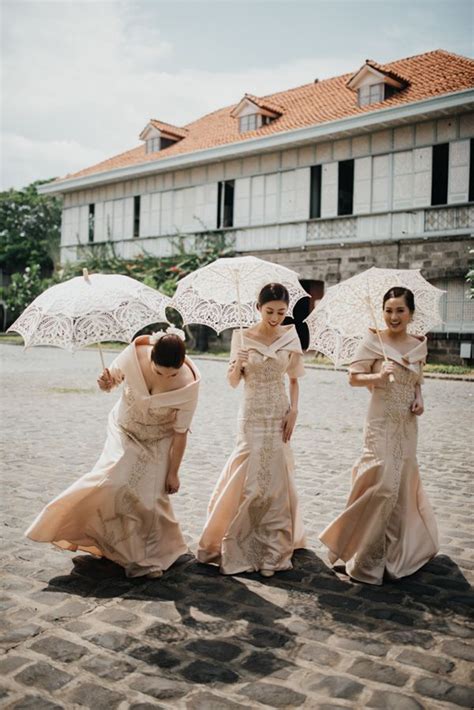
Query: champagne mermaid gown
x=388, y=526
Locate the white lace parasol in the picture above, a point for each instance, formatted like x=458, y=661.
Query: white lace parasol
x=90, y=309
x=224, y=294
x=348, y=309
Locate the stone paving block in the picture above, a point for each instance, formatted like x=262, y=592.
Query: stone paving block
x=13, y=637
x=71, y=609
x=365, y=668
x=111, y=640
x=434, y=664
x=34, y=702
x=337, y=687
x=59, y=649
x=440, y=689
x=210, y=701
x=364, y=645
x=160, y=688
x=393, y=614
x=267, y=638
x=205, y=672
x=218, y=650
x=43, y=675
x=276, y=696
x=318, y=654
x=160, y=657
x=119, y=617
x=94, y=696
x=11, y=663
x=339, y=601
x=263, y=663
x=385, y=700
x=108, y=667
x=410, y=638
x=458, y=649
x=165, y=633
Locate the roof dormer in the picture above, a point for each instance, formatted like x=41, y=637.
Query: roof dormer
x=158, y=135
x=253, y=113
x=373, y=83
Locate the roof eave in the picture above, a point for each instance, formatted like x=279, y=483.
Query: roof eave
x=274, y=141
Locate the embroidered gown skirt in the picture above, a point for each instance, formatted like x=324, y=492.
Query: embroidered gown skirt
x=253, y=517
x=388, y=526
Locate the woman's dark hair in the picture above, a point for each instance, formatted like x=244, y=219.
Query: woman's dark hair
x=273, y=292
x=169, y=351
x=398, y=292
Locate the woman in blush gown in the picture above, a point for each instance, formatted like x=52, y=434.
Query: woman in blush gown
x=253, y=519
x=388, y=527
x=121, y=509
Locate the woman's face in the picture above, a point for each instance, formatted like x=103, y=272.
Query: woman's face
x=273, y=313
x=165, y=372
x=396, y=314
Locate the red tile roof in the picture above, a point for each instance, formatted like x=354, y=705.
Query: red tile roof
x=428, y=75
x=261, y=103
x=169, y=128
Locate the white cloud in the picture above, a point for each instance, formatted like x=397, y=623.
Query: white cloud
x=25, y=160
x=81, y=79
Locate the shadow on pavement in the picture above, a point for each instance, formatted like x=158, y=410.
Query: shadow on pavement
x=221, y=616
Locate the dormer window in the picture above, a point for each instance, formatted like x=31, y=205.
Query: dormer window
x=153, y=144
x=159, y=136
x=375, y=84
x=253, y=113
x=253, y=121
x=373, y=93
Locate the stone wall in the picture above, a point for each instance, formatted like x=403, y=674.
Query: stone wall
x=441, y=257
x=445, y=348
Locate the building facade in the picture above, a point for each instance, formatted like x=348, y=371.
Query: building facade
x=374, y=168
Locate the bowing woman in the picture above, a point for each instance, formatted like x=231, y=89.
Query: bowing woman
x=121, y=509
x=253, y=519
x=388, y=527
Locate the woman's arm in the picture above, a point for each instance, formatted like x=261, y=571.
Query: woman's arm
x=236, y=368
x=418, y=406
x=290, y=419
x=362, y=379
x=109, y=379
x=178, y=447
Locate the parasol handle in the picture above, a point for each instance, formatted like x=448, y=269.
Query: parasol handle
x=239, y=306
x=101, y=356
x=391, y=378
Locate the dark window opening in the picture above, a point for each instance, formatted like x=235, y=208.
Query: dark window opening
x=345, y=193
x=389, y=91
x=166, y=142
x=315, y=192
x=91, y=222
x=136, y=216
x=471, y=172
x=439, y=175
x=225, y=204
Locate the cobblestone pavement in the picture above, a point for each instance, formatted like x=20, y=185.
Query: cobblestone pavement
x=77, y=634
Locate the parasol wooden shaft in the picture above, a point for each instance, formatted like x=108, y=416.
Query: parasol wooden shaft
x=391, y=378
x=101, y=356
x=239, y=306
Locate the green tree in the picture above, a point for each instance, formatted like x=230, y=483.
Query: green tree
x=30, y=228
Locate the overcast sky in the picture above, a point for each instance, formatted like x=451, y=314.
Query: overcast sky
x=82, y=77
